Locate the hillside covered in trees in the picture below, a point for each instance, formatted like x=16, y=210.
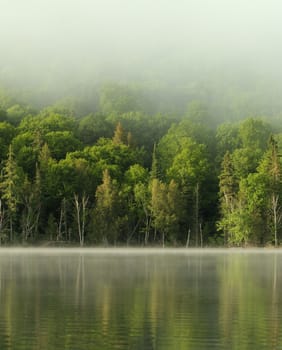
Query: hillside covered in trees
x=118, y=169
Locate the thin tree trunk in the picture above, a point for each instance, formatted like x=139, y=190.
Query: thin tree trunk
x=197, y=214
x=147, y=231
x=84, y=205
x=59, y=236
x=275, y=199
x=36, y=223
x=81, y=216
x=11, y=228
x=65, y=216
x=77, y=207
x=201, y=235
x=188, y=238
x=132, y=233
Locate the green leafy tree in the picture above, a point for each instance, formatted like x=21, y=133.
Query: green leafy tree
x=94, y=126
x=31, y=203
x=250, y=204
x=228, y=191
x=7, y=133
x=227, y=139
x=117, y=158
x=26, y=147
x=17, y=112
x=136, y=191
x=62, y=142
x=254, y=133
x=245, y=222
x=48, y=122
x=189, y=168
x=166, y=208
x=119, y=99
x=10, y=188
x=3, y=115
x=106, y=212
x=270, y=169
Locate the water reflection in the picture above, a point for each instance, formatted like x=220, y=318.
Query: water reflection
x=140, y=301
x=250, y=309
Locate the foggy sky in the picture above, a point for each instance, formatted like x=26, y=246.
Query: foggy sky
x=75, y=39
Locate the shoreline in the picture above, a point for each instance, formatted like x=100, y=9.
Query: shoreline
x=136, y=250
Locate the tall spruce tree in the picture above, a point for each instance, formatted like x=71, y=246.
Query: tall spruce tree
x=10, y=187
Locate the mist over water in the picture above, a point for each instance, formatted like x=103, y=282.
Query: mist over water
x=140, y=299
x=63, y=43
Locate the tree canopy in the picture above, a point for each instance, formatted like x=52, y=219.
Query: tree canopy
x=122, y=175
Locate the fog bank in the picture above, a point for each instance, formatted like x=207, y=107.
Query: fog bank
x=63, y=44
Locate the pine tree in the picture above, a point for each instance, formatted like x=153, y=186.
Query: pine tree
x=119, y=135
x=10, y=189
x=106, y=212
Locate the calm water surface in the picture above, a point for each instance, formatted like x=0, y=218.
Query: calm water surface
x=156, y=299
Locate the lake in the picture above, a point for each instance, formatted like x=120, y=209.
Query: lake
x=140, y=299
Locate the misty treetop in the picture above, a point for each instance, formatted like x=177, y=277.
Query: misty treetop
x=125, y=174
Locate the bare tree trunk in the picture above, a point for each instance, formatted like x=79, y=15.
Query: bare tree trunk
x=77, y=207
x=37, y=223
x=197, y=214
x=275, y=209
x=201, y=235
x=81, y=216
x=148, y=224
x=155, y=234
x=63, y=227
x=11, y=228
x=84, y=201
x=188, y=238
x=65, y=217
x=59, y=236
x=147, y=231
x=30, y=217
x=132, y=233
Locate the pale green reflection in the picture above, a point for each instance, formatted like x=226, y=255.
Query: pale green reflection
x=143, y=301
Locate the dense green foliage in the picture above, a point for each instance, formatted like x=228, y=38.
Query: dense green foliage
x=124, y=175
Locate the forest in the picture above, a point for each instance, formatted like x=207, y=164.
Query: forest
x=118, y=168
